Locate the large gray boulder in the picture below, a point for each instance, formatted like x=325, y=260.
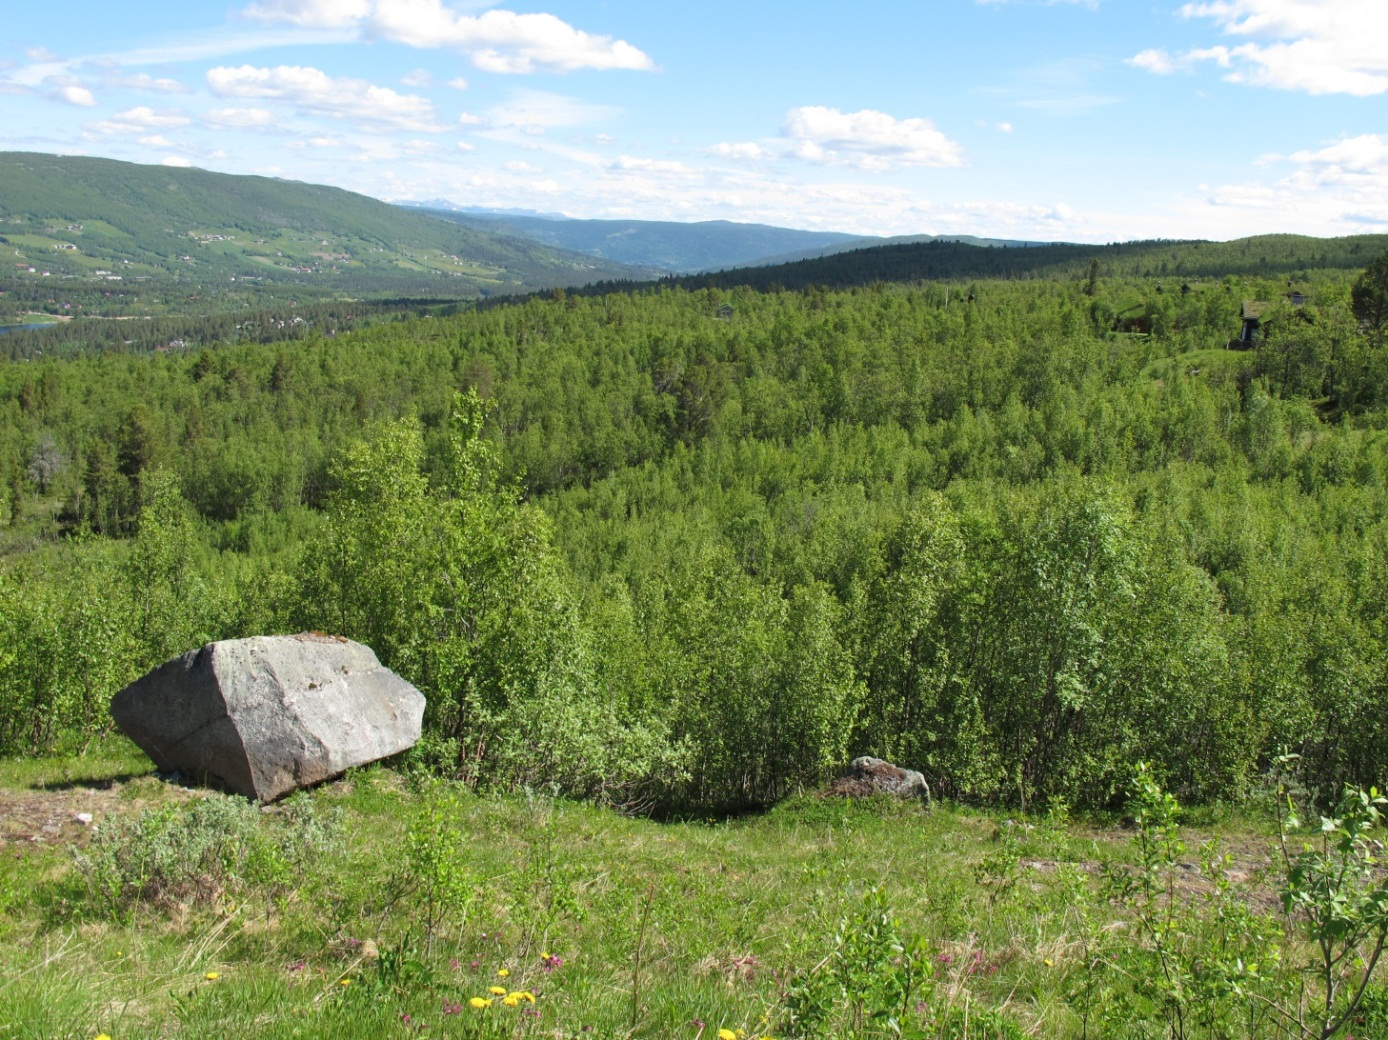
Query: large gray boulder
x=267, y=715
x=868, y=776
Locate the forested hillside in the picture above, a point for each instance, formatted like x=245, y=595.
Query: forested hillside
x=1264, y=256
x=101, y=220
x=694, y=548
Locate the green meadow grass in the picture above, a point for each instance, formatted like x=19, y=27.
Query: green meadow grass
x=616, y=926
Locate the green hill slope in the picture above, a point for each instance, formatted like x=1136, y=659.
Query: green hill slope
x=669, y=245
x=1292, y=256
x=103, y=219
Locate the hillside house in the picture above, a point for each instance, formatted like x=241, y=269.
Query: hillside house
x=1252, y=316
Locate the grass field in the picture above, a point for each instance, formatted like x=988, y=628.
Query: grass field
x=381, y=906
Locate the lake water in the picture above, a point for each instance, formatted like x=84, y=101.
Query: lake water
x=26, y=328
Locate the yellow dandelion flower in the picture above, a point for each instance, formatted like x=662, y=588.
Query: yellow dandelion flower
x=511, y=1000
x=726, y=1034
x=213, y=976
x=524, y=994
x=480, y=1002
x=497, y=991
x=103, y=1036
x=344, y=982
x=503, y=972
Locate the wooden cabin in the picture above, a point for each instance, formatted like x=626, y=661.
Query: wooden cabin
x=1252, y=315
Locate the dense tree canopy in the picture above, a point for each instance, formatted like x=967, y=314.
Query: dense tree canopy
x=697, y=547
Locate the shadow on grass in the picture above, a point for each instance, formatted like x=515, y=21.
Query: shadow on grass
x=103, y=782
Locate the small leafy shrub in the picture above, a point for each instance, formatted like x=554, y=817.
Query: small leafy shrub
x=547, y=886
x=170, y=855
x=869, y=984
x=283, y=853
x=1201, y=963
x=1337, y=892
x=194, y=853
x=433, y=756
x=431, y=873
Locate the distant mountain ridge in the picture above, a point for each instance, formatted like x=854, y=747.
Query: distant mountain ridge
x=105, y=219
x=446, y=206
x=899, y=240
x=671, y=246
x=680, y=247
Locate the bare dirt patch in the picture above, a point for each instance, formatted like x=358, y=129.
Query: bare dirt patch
x=66, y=813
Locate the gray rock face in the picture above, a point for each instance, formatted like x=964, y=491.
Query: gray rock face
x=267, y=715
x=867, y=776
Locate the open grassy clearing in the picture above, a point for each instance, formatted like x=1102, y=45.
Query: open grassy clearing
x=380, y=905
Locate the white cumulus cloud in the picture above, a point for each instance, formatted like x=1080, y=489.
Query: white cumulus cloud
x=337, y=97
x=1317, y=46
x=495, y=41
x=1154, y=59
x=73, y=95
x=868, y=140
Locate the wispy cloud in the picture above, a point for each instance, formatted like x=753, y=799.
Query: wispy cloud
x=1073, y=105
x=537, y=111
x=114, y=77
x=221, y=43
x=239, y=119
x=314, y=13
x=1342, y=185
x=1092, y=5
x=495, y=41
x=139, y=120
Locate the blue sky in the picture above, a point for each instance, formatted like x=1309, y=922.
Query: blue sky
x=1084, y=120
